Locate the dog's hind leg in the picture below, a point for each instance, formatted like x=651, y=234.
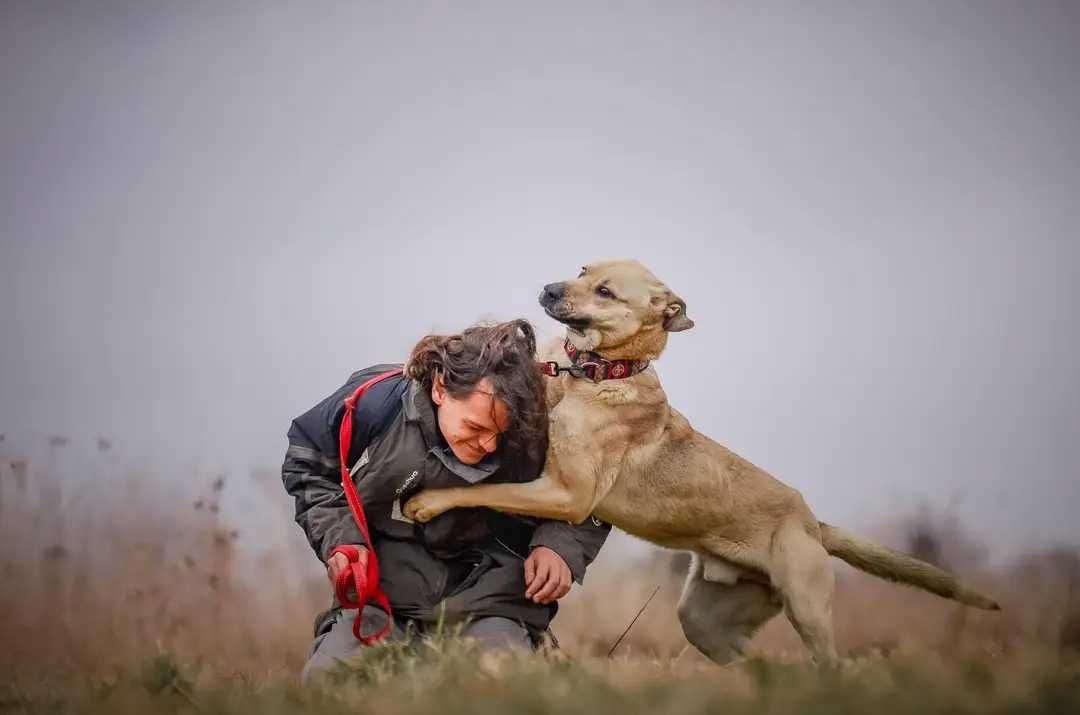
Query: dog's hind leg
x=801, y=571
x=720, y=618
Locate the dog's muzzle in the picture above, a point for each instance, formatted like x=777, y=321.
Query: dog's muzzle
x=553, y=301
x=552, y=294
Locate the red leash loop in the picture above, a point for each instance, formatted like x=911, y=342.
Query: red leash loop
x=363, y=582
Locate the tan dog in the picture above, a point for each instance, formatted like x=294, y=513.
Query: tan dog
x=620, y=452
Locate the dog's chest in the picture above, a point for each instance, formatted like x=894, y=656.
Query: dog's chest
x=639, y=503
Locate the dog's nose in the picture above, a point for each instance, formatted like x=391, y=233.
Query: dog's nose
x=552, y=292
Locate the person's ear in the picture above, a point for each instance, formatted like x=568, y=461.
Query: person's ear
x=438, y=389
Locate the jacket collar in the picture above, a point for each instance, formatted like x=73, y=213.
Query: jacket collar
x=420, y=410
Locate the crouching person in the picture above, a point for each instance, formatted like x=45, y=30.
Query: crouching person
x=467, y=408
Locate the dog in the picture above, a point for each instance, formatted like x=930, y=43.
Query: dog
x=619, y=452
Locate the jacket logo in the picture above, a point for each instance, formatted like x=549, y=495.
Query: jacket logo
x=407, y=483
x=395, y=509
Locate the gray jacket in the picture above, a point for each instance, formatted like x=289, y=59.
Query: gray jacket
x=466, y=562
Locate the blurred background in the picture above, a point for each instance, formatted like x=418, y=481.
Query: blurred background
x=211, y=214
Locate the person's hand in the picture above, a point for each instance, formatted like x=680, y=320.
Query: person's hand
x=547, y=577
x=338, y=563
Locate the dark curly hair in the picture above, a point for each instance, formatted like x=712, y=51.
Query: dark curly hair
x=504, y=353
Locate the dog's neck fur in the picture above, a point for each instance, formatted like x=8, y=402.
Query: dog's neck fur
x=643, y=345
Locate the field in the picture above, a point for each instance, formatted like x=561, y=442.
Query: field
x=123, y=593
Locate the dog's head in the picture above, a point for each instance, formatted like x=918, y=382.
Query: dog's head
x=617, y=308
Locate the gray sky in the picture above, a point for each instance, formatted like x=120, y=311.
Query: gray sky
x=210, y=215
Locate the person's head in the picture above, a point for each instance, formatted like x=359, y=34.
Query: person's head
x=487, y=389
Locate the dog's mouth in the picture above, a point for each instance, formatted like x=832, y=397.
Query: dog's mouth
x=575, y=323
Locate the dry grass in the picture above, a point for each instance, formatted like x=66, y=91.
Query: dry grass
x=134, y=593
x=449, y=677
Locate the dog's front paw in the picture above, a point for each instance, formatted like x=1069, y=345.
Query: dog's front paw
x=425, y=506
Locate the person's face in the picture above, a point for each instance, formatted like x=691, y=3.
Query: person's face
x=470, y=425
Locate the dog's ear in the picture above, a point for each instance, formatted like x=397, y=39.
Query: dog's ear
x=675, y=318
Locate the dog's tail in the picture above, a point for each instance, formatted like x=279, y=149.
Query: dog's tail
x=892, y=565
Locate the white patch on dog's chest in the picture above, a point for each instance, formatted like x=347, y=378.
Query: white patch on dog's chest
x=719, y=571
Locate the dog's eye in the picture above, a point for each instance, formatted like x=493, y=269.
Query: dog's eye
x=603, y=290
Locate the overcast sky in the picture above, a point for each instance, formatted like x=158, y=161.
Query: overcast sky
x=211, y=213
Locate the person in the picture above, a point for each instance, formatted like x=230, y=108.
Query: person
x=468, y=408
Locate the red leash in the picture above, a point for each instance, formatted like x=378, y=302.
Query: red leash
x=365, y=582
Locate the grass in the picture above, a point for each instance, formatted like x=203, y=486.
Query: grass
x=123, y=591
x=450, y=676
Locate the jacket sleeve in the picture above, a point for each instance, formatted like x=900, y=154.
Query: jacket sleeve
x=312, y=471
x=577, y=544
x=314, y=480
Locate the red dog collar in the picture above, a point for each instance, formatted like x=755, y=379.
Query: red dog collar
x=593, y=366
